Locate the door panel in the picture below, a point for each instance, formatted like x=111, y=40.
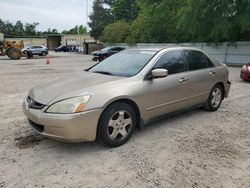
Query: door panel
x=200, y=84
x=168, y=94
x=36, y=49
x=202, y=76
x=165, y=95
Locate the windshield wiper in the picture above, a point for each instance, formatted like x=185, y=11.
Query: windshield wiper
x=103, y=72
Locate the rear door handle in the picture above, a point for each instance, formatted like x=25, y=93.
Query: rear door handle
x=183, y=80
x=212, y=73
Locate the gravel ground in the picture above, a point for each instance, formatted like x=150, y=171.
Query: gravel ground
x=193, y=149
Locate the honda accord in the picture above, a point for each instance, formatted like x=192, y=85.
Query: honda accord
x=126, y=91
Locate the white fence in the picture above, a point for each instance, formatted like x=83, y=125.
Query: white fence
x=235, y=54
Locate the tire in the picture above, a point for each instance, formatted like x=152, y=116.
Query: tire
x=14, y=54
x=116, y=124
x=43, y=54
x=29, y=54
x=215, y=98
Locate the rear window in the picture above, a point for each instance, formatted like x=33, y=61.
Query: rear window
x=197, y=60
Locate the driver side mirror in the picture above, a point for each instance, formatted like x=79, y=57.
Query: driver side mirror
x=159, y=73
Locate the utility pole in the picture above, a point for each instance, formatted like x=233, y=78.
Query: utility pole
x=87, y=11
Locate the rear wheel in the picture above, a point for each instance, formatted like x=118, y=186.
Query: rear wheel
x=116, y=124
x=215, y=98
x=14, y=54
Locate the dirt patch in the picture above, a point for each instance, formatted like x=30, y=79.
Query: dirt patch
x=2, y=184
x=23, y=64
x=24, y=142
x=212, y=143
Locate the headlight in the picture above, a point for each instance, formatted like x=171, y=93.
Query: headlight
x=244, y=68
x=248, y=68
x=69, y=106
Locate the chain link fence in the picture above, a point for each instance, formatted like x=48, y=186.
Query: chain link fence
x=234, y=54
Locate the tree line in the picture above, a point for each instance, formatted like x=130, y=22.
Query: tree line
x=20, y=29
x=162, y=21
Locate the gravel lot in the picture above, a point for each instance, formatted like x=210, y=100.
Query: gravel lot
x=194, y=149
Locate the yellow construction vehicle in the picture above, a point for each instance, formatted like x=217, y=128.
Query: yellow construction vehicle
x=12, y=49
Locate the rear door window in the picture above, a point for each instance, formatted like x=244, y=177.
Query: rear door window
x=115, y=49
x=172, y=61
x=197, y=60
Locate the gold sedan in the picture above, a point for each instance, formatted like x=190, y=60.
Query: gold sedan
x=127, y=90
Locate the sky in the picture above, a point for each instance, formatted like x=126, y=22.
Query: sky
x=61, y=15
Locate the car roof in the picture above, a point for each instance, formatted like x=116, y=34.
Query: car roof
x=157, y=49
x=35, y=45
x=115, y=47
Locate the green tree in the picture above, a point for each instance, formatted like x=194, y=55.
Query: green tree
x=2, y=26
x=216, y=21
x=83, y=30
x=157, y=22
x=8, y=29
x=99, y=19
x=55, y=31
x=137, y=34
x=108, y=2
x=30, y=29
x=19, y=29
x=125, y=10
x=49, y=31
x=116, y=32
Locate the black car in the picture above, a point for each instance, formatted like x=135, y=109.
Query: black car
x=62, y=48
x=106, y=52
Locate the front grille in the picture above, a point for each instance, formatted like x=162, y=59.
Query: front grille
x=37, y=127
x=33, y=104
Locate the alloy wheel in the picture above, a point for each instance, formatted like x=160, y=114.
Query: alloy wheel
x=119, y=125
x=216, y=97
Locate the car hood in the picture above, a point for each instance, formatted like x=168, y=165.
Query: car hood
x=77, y=85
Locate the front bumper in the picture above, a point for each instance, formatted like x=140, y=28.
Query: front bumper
x=64, y=127
x=95, y=58
x=244, y=75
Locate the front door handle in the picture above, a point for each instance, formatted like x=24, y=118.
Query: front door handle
x=212, y=73
x=183, y=80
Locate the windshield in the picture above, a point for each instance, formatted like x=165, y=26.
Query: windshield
x=105, y=49
x=126, y=63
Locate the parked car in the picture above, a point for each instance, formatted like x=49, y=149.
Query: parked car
x=36, y=50
x=127, y=90
x=106, y=52
x=62, y=48
x=245, y=72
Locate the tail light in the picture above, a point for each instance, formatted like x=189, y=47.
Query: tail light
x=248, y=67
x=244, y=68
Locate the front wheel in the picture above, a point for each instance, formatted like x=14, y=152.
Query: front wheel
x=116, y=124
x=14, y=54
x=43, y=54
x=215, y=98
